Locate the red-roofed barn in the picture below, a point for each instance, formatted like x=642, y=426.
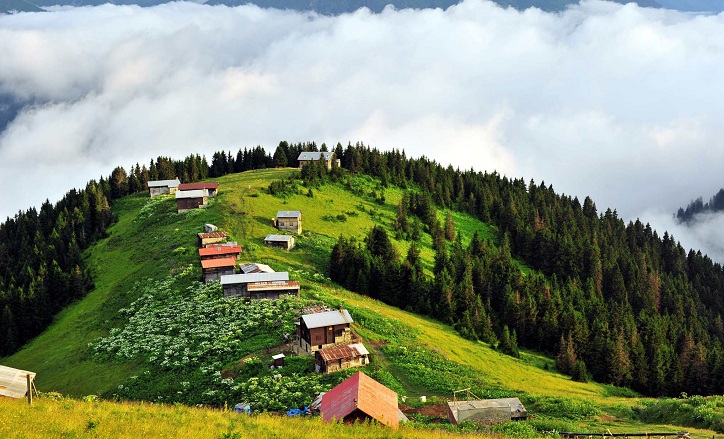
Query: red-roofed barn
x=359, y=398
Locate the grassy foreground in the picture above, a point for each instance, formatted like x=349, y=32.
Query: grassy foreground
x=68, y=418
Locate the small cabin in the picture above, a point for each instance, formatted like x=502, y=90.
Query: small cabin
x=211, y=187
x=278, y=360
x=315, y=156
x=259, y=285
x=188, y=200
x=324, y=329
x=289, y=220
x=213, y=269
x=280, y=241
x=212, y=238
x=486, y=411
x=359, y=398
x=341, y=357
x=160, y=187
x=220, y=251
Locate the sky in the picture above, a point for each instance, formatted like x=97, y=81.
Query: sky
x=616, y=102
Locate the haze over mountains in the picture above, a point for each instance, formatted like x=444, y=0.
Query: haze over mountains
x=617, y=102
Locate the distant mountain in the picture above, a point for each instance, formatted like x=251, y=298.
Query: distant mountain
x=12, y=6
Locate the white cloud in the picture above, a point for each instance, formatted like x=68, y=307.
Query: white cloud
x=613, y=101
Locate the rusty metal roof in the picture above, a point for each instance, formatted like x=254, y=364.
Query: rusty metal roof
x=218, y=262
x=192, y=186
x=212, y=235
x=360, y=392
x=220, y=250
x=342, y=352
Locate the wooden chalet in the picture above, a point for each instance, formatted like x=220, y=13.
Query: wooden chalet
x=211, y=187
x=486, y=411
x=289, y=220
x=220, y=251
x=213, y=269
x=340, y=357
x=255, y=268
x=195, y=199
x=315, y=156
x=211, y=238
x=324, y=329
x=160, y=187
x=360, y=398
x=280, y=241
x=259, y=285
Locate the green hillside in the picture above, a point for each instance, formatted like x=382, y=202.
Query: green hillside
x=414, y=355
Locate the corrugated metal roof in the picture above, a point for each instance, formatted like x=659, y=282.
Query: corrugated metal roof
x=512, y=405
x=361, y=392
x=314, y=155
x=218, y=262
x=162, y=183
x=197, y=193
x=329, y=318
x=278, y=238
x=289, y=214
x=193, y=186
x=255, y=268
x=220, y=250
x=13, y=382
x=212, y=235
x=349, y=351
x=254, y=277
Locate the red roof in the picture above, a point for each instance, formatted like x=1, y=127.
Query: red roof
x=220, y=250
x=193, y=186
x=360, y=392
x=220, y=262
x=213, y=235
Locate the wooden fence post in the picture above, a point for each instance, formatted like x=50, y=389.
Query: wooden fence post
x=30, y=389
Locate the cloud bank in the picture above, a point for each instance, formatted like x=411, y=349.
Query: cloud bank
x=613, y=101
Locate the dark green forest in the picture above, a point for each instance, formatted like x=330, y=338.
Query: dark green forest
x=611, y=299
x=715, y=204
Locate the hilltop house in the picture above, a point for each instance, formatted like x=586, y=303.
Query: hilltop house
x=210, y=187
x=360, y=398
x=220, y=251
x=213, y=269
x=194, y=199
x=259, y=285
x=158, y=187
x=290, y=220
x=324, y=329
x=280, y=241
x=341, y=357
x=211, y=238
x=314, y=156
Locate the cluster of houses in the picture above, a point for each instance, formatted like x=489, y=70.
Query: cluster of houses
x=188, y=195
x=326, y=334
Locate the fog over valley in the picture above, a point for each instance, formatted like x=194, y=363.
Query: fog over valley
x=617, y=102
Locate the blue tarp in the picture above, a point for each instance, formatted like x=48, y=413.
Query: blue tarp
x=297, y=412
x=242, y=408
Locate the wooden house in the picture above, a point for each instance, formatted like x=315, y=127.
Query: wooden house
x=486, y=411
x=259, y=285
x=324, y=329
x=195, y=199
x=211, y=238
x=289, y=220
x=255, y=268
x=360, y=398
x=211, y=187
x=159, y=187
x=220, y=251
x=313, y=156
x=213, y=269
x=340, y=357
x=280, y=241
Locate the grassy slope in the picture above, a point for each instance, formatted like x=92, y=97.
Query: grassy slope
x=153, y=246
